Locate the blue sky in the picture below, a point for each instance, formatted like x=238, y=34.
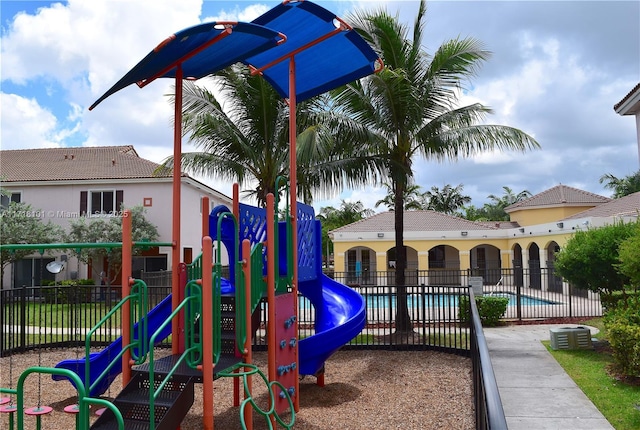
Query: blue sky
x=557, y=70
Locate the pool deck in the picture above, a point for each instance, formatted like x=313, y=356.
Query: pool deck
x=536, y=392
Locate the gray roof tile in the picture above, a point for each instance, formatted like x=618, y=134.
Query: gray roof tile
x=624, y=206
x=560, y=195
x=75, y=163
x=627, y=97
x=415, y=221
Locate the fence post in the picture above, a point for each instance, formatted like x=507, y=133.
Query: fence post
x=570, y=302
x=3, y=300
x=23, y=318
x=519, y=301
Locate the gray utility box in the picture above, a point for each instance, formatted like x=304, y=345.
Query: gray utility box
x=570, y=338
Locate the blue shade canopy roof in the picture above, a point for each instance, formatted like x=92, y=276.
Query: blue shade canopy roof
x=202, y=49
x=337, y=60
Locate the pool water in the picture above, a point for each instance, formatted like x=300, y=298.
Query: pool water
x=382, y=301
x=524, y=300
x=446, y=300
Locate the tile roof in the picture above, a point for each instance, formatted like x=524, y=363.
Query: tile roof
x=560, y=195
x=414, y=221
x=75, y=163
x=624, y=206
x=627, y=97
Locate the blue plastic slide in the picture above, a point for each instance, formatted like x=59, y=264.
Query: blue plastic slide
x=340, y=316
x=100, y=360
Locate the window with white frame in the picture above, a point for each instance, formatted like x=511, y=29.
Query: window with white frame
x=100, y=202
x=10, y=197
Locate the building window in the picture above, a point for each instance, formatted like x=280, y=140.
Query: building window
x=144, y=264
x=5, y=200
x=101, y=202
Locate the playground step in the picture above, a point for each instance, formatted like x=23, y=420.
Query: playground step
x=163, y=365
x=170, y=407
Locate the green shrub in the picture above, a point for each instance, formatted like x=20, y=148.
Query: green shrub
x=625, y=343
x=623, y=331
x=620, y=299
x=490, y=309
x=69, y=291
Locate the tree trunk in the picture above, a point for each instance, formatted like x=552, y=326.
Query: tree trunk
x=403, y=320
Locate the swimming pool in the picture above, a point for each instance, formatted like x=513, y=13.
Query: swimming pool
x=446, y=300
x=429, y=300
x=524, y=300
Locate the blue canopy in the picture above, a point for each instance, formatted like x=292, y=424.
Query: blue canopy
x=200, y=50
x=207, y=48
x=337, y=60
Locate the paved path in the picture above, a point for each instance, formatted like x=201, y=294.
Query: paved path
x=535, y=391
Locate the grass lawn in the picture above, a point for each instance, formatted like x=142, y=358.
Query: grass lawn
x=61, y=315
x=617, y=400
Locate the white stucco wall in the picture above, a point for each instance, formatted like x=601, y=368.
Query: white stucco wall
x=59, y=202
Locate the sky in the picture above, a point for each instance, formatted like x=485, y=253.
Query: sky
x=556, y=71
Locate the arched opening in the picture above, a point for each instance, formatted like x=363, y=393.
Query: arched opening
x=518, y=272
x=485, y=262
x=411, y=274
x=554, y=281
x=535, y=272
x=360, y=265
x=444, y=265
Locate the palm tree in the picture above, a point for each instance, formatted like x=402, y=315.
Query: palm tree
x=332, y=218
x=495, y=210
x=509, y=197
x=621, y=187
x=446, y=200
x=412, y=108
x=347, y=213
x=413, y=198
x=242, y=135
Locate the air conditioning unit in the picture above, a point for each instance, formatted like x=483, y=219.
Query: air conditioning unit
x=570, y=338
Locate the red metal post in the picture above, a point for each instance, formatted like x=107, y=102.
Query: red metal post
x=207, y=335
x=127, y=255
x=293, y=177
x=205, y=216
x=236, y=202
x=177, y=336
x=235, y=210
x=271, y=290
x=248, y=358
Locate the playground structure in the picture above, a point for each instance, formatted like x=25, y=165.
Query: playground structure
x=210, y=326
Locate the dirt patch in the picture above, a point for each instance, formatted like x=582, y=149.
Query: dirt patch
x=364, y=390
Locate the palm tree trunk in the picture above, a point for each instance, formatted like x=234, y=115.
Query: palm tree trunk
x=403, y=320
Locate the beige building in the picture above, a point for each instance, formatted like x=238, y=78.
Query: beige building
x=442, y=248
x=63, y=184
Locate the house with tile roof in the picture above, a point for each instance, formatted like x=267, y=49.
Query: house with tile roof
x=441, y=249
x=67, y=183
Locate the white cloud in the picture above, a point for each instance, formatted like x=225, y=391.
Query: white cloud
x=25, y=124
x=553, y=75
x=246, y=14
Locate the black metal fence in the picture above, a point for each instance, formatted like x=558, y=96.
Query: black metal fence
x=487, y=402
x=534, y=293
x=60, y=316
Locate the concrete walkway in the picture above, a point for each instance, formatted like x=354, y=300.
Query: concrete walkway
x=535, y=391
